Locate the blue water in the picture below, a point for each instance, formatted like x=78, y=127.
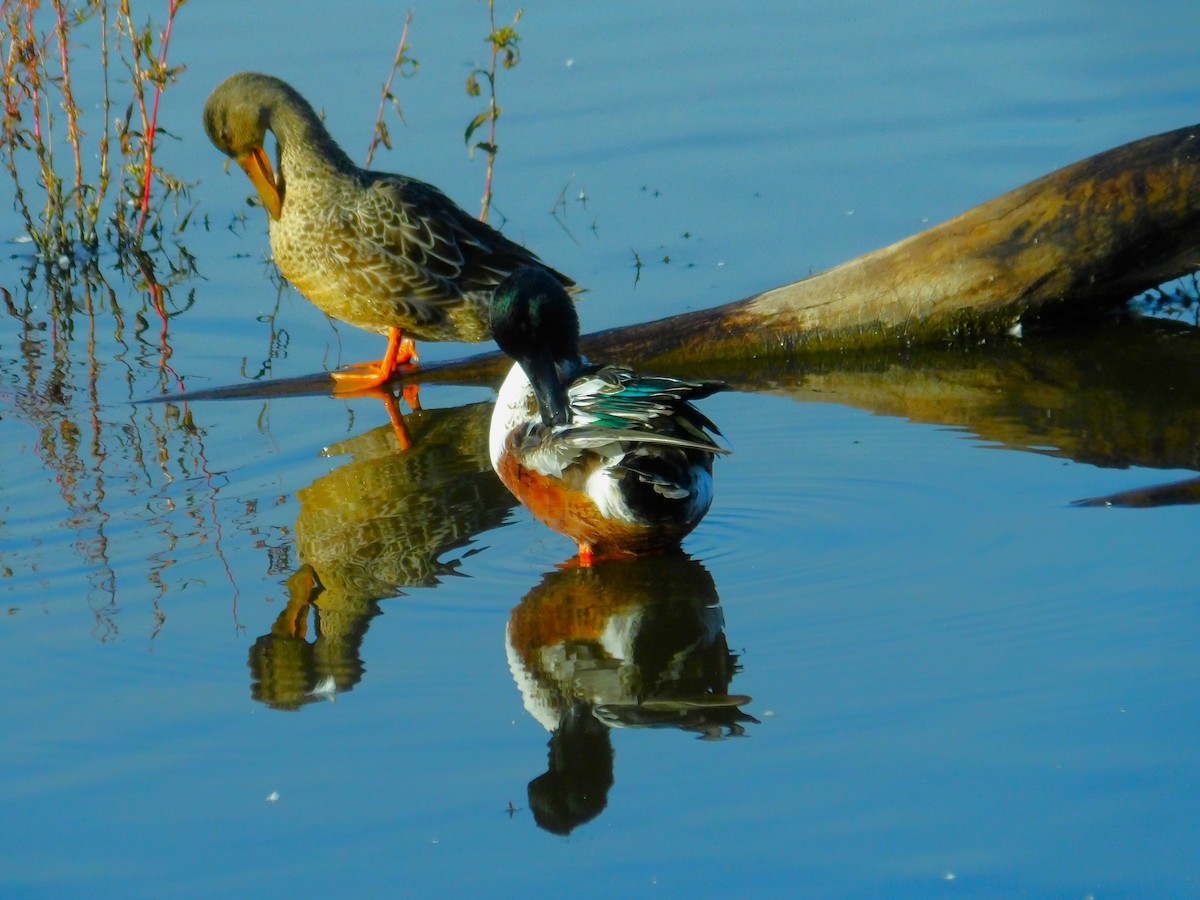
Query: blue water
x=958, y=683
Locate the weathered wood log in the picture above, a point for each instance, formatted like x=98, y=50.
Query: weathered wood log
x=1082, y=239
x=1086, y=237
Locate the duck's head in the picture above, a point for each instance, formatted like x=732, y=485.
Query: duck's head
x=237, y=116
x=534, y=321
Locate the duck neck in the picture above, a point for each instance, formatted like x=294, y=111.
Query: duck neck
x=305, y=147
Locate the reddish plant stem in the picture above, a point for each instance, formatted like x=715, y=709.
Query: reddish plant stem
x=72, y=112
x=148, y=138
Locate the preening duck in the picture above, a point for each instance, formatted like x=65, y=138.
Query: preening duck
x=387, y=253
x=619, y=462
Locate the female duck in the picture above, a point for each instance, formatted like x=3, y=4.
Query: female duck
x=619, y=462
x=384, y=252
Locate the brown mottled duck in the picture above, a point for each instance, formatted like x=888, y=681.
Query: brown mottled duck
x=387, y=253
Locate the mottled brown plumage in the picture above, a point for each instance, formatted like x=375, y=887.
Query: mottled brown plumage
x=384, y=252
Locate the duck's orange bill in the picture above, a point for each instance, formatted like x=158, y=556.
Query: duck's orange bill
x=257, y=165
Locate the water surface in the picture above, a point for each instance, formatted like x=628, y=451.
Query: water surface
x=895, y=660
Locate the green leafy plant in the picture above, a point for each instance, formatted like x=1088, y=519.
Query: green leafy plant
x=505, y=52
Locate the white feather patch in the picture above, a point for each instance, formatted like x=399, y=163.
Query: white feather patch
x=512, y=409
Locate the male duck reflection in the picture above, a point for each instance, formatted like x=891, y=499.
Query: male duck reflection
x=384, y=252
x=619, y=462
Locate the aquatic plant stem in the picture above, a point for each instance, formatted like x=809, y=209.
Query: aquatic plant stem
x=492, y=112
x=504, y=39
x=380, y=134
x=150, y=131
x=72, y=111
x=105, y=109
x=39, y=79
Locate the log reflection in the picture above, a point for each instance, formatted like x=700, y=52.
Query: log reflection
x=1117, y=393
x=1120, y=395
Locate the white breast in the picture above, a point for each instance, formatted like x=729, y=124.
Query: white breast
x=512, y=409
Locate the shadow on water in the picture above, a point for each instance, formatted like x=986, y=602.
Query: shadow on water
x=631, y=643
x=382, y=522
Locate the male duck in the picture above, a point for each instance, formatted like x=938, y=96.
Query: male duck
x=384, y=252
x=619, y=462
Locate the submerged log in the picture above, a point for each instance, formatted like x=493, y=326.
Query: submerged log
x=1086, y=237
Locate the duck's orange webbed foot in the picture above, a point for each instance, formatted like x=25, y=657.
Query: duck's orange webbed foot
x=401, y=351
x=360, y=377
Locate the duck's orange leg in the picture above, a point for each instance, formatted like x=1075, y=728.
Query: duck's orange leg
x=412, y=396
x=398, y=426
x=363, y=376
x=303, y=586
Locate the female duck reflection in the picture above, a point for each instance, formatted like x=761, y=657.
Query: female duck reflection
x=624, y=643
x=381, y=522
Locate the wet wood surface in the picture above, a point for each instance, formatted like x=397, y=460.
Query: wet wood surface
x=1085, y=237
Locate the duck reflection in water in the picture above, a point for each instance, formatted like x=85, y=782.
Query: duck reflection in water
x=381, y=522
x=624, y=643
